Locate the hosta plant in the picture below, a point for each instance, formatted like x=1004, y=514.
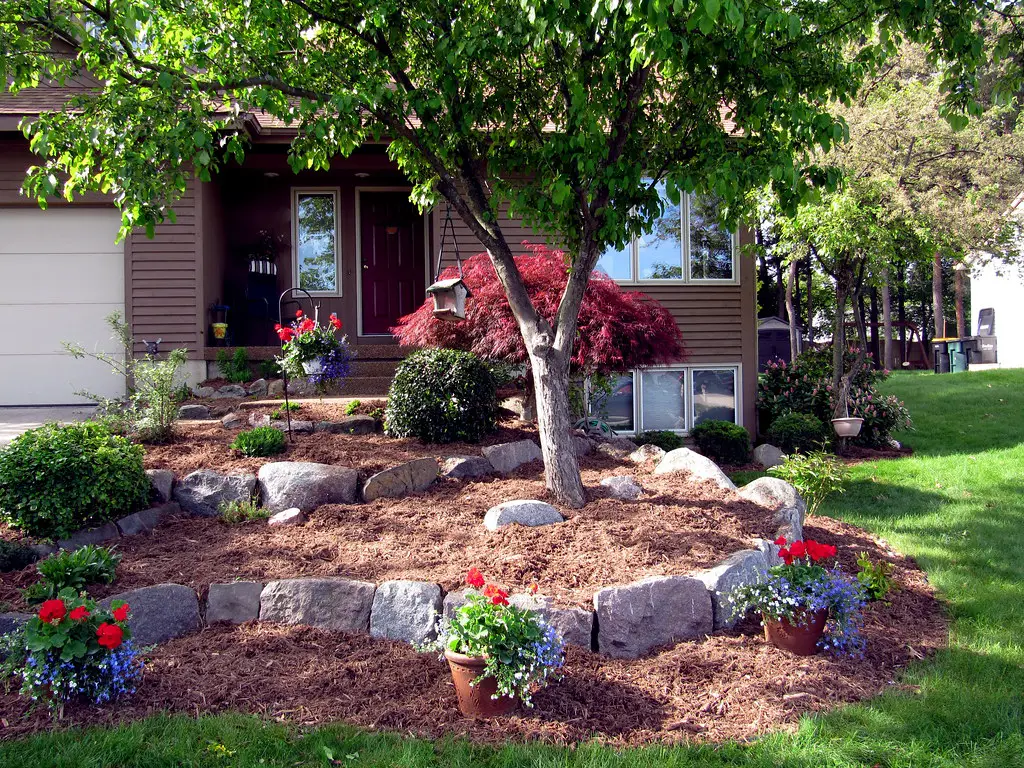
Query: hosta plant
x=802, y=586
x=72, y=649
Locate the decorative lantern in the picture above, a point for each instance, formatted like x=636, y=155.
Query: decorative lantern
x=449, y=295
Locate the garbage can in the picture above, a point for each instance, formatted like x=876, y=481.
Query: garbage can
x=941, y=354
x=957, y=350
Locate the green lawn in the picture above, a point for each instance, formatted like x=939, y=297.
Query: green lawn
x=955, y=505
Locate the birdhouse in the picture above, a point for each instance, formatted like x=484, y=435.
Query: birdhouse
x=449, y=299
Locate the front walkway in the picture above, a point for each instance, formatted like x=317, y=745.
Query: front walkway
x=15, y=420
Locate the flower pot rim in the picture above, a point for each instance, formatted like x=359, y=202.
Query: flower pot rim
x=848, y=419
x=462, y=658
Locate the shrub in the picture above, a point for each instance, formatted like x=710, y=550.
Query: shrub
x=73, y=570
x=56, y=479
x=233, y=512
x=235, y=368
x=14, y=556
x=352, y=407
x=269, y=369
x=72, y=649
x=815, y=476
x=797, y=433
x=442, y=396
x=289, y=407
x=667, y=441
x=723, y=441
x=875, y=577
x=261, y=441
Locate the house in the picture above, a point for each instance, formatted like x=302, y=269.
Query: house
x=773, y=341
x=351, y=238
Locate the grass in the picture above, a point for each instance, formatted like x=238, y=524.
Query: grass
x=955, y=505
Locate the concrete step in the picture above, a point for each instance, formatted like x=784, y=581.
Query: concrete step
x=374, y=368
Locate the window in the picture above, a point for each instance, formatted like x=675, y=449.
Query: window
x=671, y=398
x=316, y=240
x=685, y=244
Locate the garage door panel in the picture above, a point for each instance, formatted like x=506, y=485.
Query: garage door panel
x=53, y=380
x=50, y=326
x=72, y=278
x=58, y=230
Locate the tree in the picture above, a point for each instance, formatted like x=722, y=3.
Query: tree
x=618, y=330
x=571, y=114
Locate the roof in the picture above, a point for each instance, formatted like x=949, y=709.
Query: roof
x=773, y=324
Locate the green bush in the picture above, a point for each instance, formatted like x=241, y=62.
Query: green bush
x=14, y=556
x=284, y=409
x=816, y=476
x=722, y=441
x=352, y=407
x=797, y=433
x=55, y=480
x=442, y=396
x=261, y=441
x=269, y=369
x=234, y=512
x=664, y=439
x=235, y=368
x=75, y=570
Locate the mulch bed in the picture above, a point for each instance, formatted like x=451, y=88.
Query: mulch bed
x=730, y=686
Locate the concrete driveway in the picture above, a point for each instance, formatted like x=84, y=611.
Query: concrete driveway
x=14, y=421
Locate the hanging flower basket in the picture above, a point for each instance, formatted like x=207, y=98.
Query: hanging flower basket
x=312, y=367
x=313, y=350
x=848, y=426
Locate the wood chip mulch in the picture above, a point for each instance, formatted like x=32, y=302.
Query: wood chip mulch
x=729, y=686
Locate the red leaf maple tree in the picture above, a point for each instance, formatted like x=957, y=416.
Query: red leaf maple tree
x=618, y=330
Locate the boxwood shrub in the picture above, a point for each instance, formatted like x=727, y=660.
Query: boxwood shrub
x=663, y=438
x=797, y=433
x=442, y=396
x=722, y=441
x=56, y=479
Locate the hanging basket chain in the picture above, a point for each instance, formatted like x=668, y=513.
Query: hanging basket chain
x=455, y=242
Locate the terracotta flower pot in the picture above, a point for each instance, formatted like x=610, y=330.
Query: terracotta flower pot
x=475, y=700
x=801, y=639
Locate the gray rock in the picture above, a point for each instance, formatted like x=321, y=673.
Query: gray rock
x=699, y=467
x=406, y=610
x=748, y=566
x=305, y=485
x=234, y=603
x=147, y=519
x=523, y=406
x=301, y=388
x=275, y=388
x=770, y=550
x=100, y=535
x=203, y=491
x=411, y=477
x=159, y=613
x=584, y=445
x=203, y=392
x=634, y=618
x=259, y=388
x=193, y=412
x=575, y=625
x=293, y=516
x=229, y=390
x=505, y=457
x=463, y=467
x=455, y=600
x=162, y=481
x=648, y=452
x=783, y=500
x=623, y=487
x=232, y=421
x=339, y=605
x=256, y=420
x=11, y=621
x=299, y=426
x=616, y=447
x=521, y=512
x=43, y=550
x=768, y=456
x=350, y=425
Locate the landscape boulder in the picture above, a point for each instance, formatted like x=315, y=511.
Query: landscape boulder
x=350, y=425
x=203, y=491
x=99, y=535
x=575, y=625
x=293, y=516
x=584, y=446
x=235, y=602
x=305, y=485
x=411, y=477
x=10, y=622
x=506, y=457
x=232, y=421
x=617, y=447
x=748, y=566
x=406, y=610
x=194, y=412
x=697, y=466
x=339, y=605
x=162, y=481
x=623, y=487
x=521, y=512
x=768, y=456
x=229, y=390
x=465, y=467
x=203, y=392
x=147, y=519
x=783, y=500
x=647, y=452
x=259, y=388
x=159, y=613
x=635, y=618
x=275, y=388
x=299, y=426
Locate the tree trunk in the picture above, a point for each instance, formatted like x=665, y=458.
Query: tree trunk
x=794, y=340
x=958, y=287
x=810, y=301
x=876, y=347
x=554, y=422
x=888, y=353
x=939, y=318
x=901, y=304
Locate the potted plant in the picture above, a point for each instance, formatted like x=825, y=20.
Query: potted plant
x=313, y=350
x=498, y=653
x=805, y=606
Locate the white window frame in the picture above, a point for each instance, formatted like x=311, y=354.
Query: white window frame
x=688, y=417
x=335, y=192
x=684, y=245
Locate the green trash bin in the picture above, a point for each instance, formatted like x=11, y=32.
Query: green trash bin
x=957, y=355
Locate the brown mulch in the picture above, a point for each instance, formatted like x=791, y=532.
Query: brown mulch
x=729, y=686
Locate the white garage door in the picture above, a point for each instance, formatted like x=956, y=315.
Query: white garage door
x=61, y=273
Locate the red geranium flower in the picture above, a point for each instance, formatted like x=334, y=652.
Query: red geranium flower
x=798, y=549
x=121, y=613
x=52, y=611
x=474, y=578
x=496, y=595
x=335, y=321
x=781, y=541
x=786, y=555
x=298, y=313
x=109, y=635
x=79, y=613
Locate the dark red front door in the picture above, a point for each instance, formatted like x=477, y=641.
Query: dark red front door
x=392, y=259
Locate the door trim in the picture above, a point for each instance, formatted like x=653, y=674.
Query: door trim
x=359, y=255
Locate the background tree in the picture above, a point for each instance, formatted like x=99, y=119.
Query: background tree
x=568, y=113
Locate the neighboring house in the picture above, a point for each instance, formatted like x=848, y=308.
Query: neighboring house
x=350, y=236
x=773, y=341
x=999, y=286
